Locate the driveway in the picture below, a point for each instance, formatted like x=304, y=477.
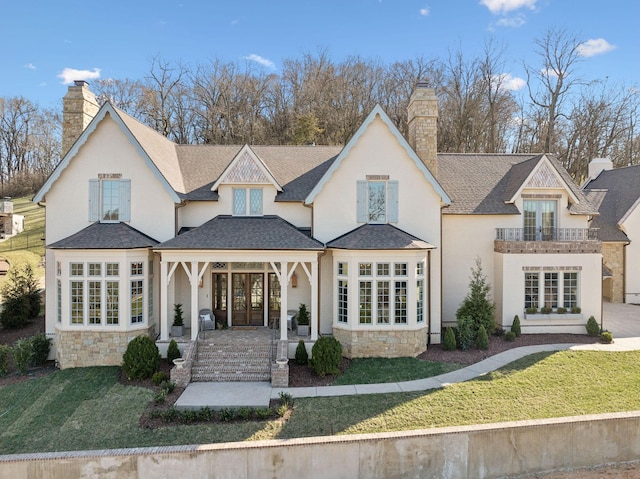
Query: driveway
x=623, y=320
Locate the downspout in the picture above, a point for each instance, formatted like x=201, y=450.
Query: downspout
x=175, y=217
x=429, y=296
x=624, y=272
x=324, y=252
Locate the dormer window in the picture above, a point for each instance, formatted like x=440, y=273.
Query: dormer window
x=247, y=202
x=109, y=199
x=377, y=200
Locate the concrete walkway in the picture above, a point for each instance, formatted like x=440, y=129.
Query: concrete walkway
x=623, y=320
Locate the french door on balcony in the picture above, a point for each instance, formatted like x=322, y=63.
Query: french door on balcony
x=540, y=220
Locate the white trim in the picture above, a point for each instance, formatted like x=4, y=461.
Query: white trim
x=106, y=109
x=259, y=163
x=377, y=111
x=555, y=172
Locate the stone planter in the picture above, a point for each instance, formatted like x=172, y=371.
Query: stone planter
x=179, y=363
x=177, y=331
x=303, y=330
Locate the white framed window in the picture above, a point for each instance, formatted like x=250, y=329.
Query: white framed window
x=113, y=269
x=551, y=289
x=400, y=306
x=137, y=268
x=365, y=302
x=420, y=300
x=247, y=201
x=76, y=269
x=343, y=300
x=95, y=269
x=112, y=302
x=77, y=302
x=59, y=300
x=383, y=294
x=95, y=302
x=109, y=200
x=377, y=200
x=137, y=301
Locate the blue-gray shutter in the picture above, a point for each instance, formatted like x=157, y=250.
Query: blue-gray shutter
x=94, y=200
x=125, y=200
x=392, y=201
x=363, y=203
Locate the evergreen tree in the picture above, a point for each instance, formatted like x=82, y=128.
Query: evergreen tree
x=478, y=305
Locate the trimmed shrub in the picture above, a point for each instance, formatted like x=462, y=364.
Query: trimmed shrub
x=158, y=377
x=482, y=341
x=466, y=333
x=515, y=326
x=326, y=355
x=592, y=327
x=173, y=352
x=303, y=315
x=606, y=337
x=141, y=359
x=546, y=310
x=531, y=310
x=561, y=310
x=449, y=343
x=40, y=345
x=5, y=353
x=22, y=355
x=510, y=336
x=576, y=310
x=177, y=315
x=302, y=357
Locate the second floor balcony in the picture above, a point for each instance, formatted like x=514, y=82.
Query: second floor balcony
x=547, y=240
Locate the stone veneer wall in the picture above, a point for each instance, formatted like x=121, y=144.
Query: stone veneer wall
x=79, y=108
x=613, y=257
x=381, y=343
x=547, y=247
x=422, y=126
x=75, y=349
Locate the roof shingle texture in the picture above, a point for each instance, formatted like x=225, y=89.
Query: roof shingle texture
x=480, y=184
x=106, y=236
x=615, y=191
x=244, y=233
x=378, y=237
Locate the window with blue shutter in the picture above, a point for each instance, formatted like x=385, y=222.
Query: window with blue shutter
x=109, y=200
x=377, y=200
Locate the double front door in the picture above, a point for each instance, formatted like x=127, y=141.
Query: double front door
x=247, y=293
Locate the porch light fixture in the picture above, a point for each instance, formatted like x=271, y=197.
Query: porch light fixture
x=294, y=281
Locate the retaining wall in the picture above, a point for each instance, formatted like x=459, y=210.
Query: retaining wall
x=486, y=451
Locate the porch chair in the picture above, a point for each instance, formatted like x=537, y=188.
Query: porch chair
x=206, y=320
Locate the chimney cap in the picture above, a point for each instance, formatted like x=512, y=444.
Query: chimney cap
x=422, y=84
x=80, y=82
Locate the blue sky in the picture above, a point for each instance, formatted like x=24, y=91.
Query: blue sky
x=46, y=43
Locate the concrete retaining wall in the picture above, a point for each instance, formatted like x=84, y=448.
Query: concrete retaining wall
x=488, y=451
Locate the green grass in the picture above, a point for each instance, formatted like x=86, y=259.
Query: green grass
x=28, y=246
x=87, y=408
x=378, y=370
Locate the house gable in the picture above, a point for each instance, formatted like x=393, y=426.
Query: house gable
x=246, y=168
x=378, y=112
x=107, y=111
x=543, y=175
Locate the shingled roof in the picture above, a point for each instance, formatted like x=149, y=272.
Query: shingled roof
x=616, y=193
x=244, y=233
x=378, y=237
x=483, y=184
x=106, y=236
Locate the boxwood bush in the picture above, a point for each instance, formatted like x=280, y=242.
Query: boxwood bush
x=326, y=355
x=141, y=359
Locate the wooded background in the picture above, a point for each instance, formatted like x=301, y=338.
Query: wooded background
x=316, y=100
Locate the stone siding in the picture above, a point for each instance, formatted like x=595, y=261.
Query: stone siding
x=79, y=108
x=76, y=349
x=547, y=247
x=613, y=258
x=381, y=343
x=423, y=126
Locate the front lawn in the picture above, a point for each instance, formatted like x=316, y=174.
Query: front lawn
x=380, y=370
x=88, y=408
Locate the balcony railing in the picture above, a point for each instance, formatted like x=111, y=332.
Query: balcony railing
x=546, y=234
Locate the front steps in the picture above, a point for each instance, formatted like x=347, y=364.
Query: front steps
x=226, y=356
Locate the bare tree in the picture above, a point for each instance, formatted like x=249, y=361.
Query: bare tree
x=550, y=82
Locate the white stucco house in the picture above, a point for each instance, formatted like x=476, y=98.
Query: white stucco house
x=377, y=238
x=616, y=194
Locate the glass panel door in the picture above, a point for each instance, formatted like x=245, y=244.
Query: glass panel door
x=248, y=299
x=220, y=297
x=274, y=299
x=539, y=220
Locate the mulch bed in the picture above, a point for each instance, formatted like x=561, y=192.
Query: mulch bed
x=10, y=336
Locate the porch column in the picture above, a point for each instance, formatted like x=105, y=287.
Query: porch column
x=284, y=286
x=164, y=292
x=314, y=300
x=193, y=278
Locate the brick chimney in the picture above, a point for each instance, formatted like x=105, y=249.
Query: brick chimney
x=79, y=106
x=423, y=125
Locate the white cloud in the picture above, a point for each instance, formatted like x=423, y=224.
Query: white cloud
x=261, y=60
x=595, y=46
x=30, y=66
x=511, y=83
x=504, y=6
x=69, y=75
x=511, y=22
x=424, y=11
